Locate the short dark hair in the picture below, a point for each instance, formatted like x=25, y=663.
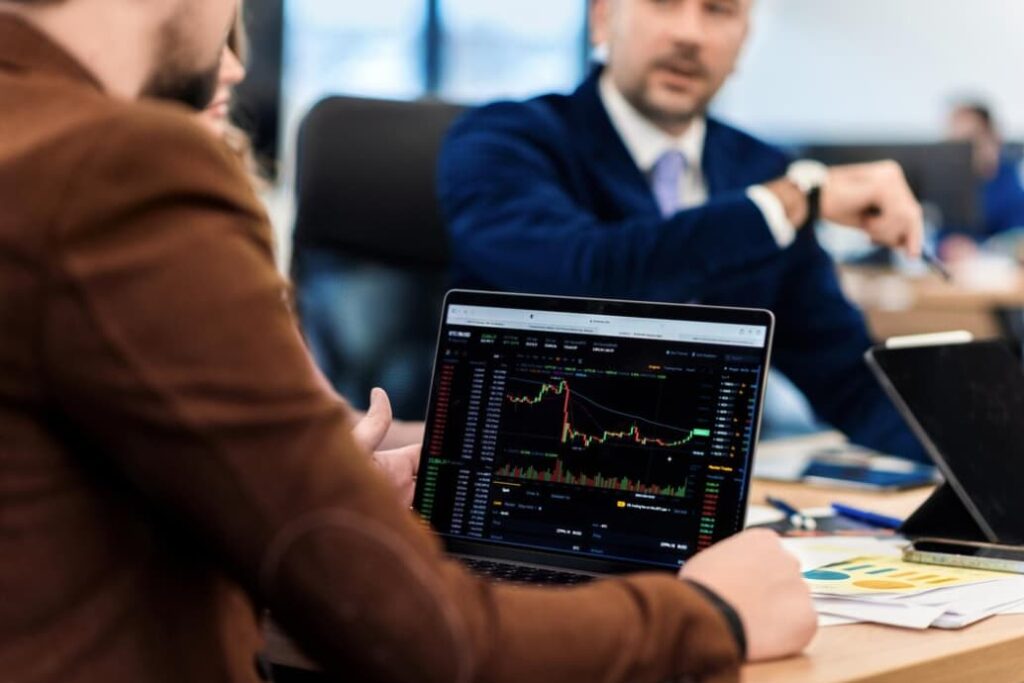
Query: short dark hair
x=979, y=109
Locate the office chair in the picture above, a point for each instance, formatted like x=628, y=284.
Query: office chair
x=370, y=249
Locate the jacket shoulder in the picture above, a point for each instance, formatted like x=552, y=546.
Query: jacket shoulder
x=127, y=161
x=543, y=116
x=154, y=148
x=148, y=130
x=65, y=128
x=744, y=146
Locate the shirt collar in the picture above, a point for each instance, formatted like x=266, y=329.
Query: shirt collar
x=645, y=141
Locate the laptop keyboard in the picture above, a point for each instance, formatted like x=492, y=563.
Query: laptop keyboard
x=516, y=573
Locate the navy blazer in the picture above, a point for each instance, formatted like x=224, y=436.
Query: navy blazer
x=543, y=196
x=1002, y=197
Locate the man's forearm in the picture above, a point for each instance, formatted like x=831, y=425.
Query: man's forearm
x=793, y=200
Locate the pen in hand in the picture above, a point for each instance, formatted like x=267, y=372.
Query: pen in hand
x=929, y=257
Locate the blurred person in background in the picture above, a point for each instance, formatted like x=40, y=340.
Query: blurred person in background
x=1000, y=191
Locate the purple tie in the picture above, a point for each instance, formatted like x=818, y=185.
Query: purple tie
x=665, y=177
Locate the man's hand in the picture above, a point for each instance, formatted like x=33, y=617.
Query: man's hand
x=762, y=582
x=400, y=467
x=876, y=198
x=872, y=197
x=400, y=464
x=371, y=427
x=376, y=430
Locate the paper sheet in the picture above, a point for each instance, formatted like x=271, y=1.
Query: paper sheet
x=887, y=575
x=1017, y=608
x=889, y=613
x=953, y=620
x=816, y=552
x=960, y=598
x=968, y=600
x=826, y=620
x=762, y=514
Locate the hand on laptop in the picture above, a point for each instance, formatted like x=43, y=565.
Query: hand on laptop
x=374, y=430
x=753, y=573
x=399, y=466
x=370, y=428
x=876, y=198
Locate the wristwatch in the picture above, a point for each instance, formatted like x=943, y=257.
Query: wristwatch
x=809, y=176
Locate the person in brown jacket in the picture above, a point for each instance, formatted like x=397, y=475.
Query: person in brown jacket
x=169, y=455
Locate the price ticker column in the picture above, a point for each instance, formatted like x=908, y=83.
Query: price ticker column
x=435, y=456
x=488, y=444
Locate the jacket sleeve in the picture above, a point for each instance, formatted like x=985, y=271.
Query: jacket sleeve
x=821, y=340
x=516, y=224
x=170, y=346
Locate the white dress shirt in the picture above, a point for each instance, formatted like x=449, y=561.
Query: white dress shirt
x=646, y=143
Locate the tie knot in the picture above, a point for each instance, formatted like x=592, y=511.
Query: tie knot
x=671, y=162
x=665, y=180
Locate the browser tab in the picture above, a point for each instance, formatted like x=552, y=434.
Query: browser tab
x=695, y=332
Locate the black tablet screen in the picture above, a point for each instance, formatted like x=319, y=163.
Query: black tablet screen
x=966, y=403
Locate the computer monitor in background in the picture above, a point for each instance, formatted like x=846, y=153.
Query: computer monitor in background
x=940, y=174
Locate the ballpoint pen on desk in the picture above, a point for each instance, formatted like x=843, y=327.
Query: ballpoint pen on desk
x=796, y=518
x=872, y=518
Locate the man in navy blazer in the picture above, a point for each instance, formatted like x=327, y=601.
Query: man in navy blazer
x=626, y=188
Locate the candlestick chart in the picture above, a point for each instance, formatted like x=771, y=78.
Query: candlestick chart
x=557, y=432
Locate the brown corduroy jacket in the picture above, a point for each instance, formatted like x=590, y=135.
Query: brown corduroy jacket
x=169, y=455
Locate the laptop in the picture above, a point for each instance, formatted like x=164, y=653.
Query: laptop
x=572, y=438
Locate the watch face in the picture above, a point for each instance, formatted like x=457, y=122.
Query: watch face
x=807, y=174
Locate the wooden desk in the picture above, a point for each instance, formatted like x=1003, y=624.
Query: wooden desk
x=988, y=652
x=897, y=305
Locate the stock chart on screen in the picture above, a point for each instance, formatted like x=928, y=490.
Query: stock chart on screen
x=585, y=437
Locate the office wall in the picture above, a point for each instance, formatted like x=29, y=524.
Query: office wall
x=876, y=68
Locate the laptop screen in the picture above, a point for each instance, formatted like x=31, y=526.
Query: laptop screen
x=615, y=431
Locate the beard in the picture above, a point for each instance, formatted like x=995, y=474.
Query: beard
x=174, y=78
x=193, y=89
x=685, y=60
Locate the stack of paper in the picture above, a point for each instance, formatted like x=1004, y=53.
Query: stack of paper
x=886, y=590
x=814, y=552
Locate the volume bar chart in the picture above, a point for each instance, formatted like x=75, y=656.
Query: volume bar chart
x=558, y=475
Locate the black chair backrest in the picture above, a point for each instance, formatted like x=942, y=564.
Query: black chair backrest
x=366, y=179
